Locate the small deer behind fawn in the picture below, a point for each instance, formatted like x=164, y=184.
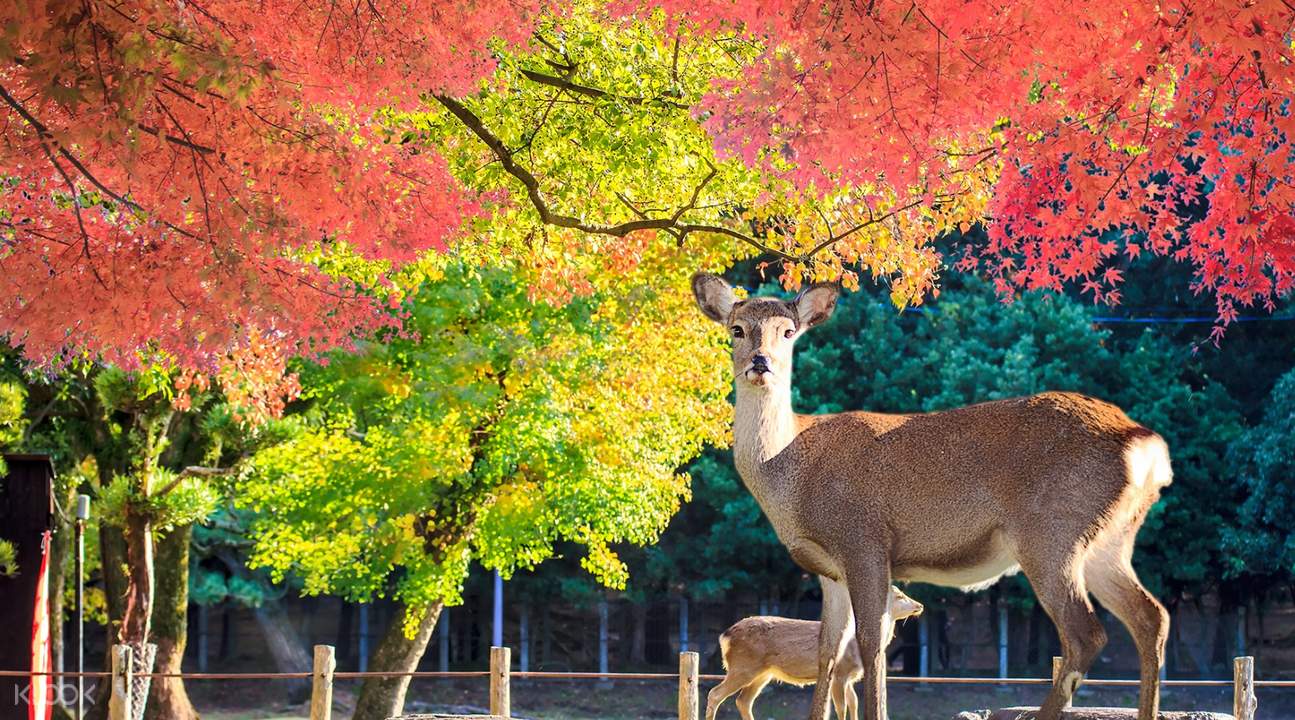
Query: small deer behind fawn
x=759, y=649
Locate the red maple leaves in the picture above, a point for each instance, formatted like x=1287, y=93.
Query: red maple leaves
x=172, y=170
x=169, y=165
x=1170, y=121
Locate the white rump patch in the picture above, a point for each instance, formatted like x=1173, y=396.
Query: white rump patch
x=1148, y=462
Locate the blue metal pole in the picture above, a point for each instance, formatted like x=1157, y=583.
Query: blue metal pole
x=497, y=637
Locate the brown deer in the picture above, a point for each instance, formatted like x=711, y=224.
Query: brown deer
x=759, y=649
x=1055, y=485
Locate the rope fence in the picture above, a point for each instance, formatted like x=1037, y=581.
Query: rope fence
x=545, y=675
x=500, y=676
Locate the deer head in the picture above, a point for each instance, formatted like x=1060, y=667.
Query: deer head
x=901, y=606
x=764, y=330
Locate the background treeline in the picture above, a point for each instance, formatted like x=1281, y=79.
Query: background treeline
x=1218, y=550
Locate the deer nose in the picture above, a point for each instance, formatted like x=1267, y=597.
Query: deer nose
x=760, y=364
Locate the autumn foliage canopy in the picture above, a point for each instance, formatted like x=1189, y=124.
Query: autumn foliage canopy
x=179, y=178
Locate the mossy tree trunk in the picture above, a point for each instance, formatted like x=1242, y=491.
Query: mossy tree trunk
x=112, y=552
x=385, y=697
x=167, y=699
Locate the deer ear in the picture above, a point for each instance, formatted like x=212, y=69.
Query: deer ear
x=714, y=296
x=815, y=303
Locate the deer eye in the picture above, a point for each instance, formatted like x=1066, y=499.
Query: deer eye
x=789, y=333
x=737, y=331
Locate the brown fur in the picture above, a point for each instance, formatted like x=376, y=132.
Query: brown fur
x=758, y=649
x=1056, y=484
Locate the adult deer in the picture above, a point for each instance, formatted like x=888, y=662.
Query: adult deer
x=1055, y=485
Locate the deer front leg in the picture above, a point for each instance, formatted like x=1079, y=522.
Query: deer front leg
x=833, y=635
x=869, y=583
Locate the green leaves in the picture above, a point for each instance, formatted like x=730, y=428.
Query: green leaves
x=491, y=428
x=188, y=500
x=8, y=557
x=1264, y=544
x=13, y=402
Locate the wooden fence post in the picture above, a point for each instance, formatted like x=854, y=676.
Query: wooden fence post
x=1243, y=688
x=688, y=686
x=123, y=676
x=321, y=689
x=501, y=659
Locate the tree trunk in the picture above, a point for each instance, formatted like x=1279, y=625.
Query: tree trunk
x=226, y=635
x=1225, y=625
x=289, y=653
x=546, y=642
x=1260, y=605
x=382, y=698
x=345, y=629
x=657, y=648
x=638, y=643
x=1200, y=651
x=139, y=573
x=112, y=553
x=167, y=699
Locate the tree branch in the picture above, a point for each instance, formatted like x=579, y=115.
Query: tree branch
x=673, y=225
x=550, y=217
x=182, y=142
x=593, y=92
x=51, y=147
x=192, y=471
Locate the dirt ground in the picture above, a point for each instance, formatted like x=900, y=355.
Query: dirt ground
x=633, y=700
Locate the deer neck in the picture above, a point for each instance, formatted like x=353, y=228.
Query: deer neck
x=763, y=426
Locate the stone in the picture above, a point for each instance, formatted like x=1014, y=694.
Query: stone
x=448, y=716
x=1101, y=713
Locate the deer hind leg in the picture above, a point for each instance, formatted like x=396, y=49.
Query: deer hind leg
x=746, y=698
x=1062, y=593
x=1110, y=577
x=833, y=635
x=869, y=584
x=731, y=683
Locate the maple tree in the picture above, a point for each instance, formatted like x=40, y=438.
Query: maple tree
x=169, y=168
x=1164, y=127
x=175, y=171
